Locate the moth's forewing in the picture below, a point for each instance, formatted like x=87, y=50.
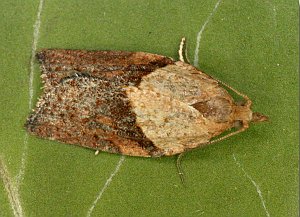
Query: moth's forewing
x=84, y=101
x=132, y=103
x=107, y=65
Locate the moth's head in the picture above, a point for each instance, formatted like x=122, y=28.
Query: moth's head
x=244, y=114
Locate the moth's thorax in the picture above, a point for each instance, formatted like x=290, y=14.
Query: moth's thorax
x=242, y=113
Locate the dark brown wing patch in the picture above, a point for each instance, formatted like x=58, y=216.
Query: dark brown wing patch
x=129, y=67
x=84, y=102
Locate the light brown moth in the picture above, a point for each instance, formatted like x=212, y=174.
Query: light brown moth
x=133, y=103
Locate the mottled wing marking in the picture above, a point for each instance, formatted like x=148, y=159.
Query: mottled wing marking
x=108, y=65
x=182, y=82
x=133, y=103
x=171, y=124
x=164, y=104
x=84, y=101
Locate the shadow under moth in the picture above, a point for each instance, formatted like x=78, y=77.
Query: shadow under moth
x=133, y=103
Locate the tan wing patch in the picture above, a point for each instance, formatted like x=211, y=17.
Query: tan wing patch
x=180, y=81
x=169, y=123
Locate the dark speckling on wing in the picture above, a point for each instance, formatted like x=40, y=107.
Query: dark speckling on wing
x=84, y=102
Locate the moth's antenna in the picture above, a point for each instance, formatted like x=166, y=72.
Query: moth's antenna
x=182, y=47
x=228, y=135
x=180, y=51
x=179, y=169
x=248, y=101
x=186, y=54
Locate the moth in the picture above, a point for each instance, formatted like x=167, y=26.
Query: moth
x=133, y=103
